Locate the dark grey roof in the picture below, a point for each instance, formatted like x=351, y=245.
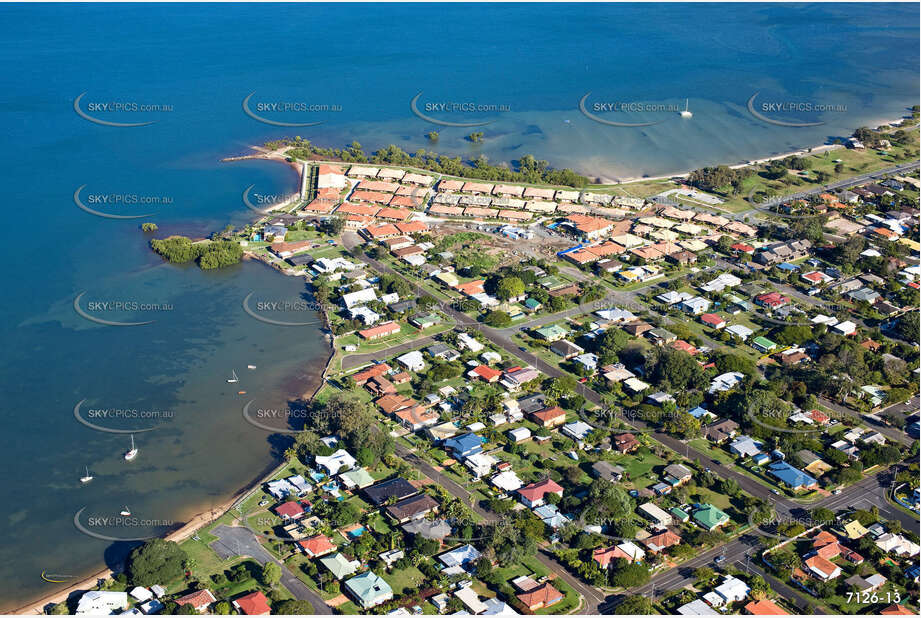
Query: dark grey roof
x=398, y=488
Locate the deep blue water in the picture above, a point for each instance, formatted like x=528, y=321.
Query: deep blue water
x=535, y=60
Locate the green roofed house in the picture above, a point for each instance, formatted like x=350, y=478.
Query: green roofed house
x=358, y=478
x=532, y=304
x=551, y=283
x=710, y=517
x=551, y=332
x=763, y=344
x=369, y=589
x=339, y=565
x=424, y=321
x=679, y=514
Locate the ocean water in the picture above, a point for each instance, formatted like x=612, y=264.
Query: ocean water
x=365, y=63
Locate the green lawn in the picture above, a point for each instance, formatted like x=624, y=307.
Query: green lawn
x=405, y=581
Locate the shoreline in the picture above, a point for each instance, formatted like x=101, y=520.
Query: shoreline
x=806, y=150
x=204, y=518
x=200, y=519
x=195, y=523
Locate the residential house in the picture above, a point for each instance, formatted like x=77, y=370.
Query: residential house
x=460, y=556
x=745, y=446
x=710, y=517
x=660, y=542
x=792, y=477
x=464, y=445
x=534, y=494
x=316, y=546
x=625, y=443
x=395, y=488
x=822, y=568
x=655, y=514
x=607, y=471
x=545, y=595
x=253, y=604
x=369, y=589
x=201, y=600
x=414, y=507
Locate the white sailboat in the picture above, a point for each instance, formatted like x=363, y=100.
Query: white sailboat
x=234, y=379
x=132, y=452
x=251, y=366
x=88, y=477
x=686, y=113
x=125, y=512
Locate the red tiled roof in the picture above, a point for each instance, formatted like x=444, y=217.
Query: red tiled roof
x=317, y=545
x=394, y=402
x=358, y=209
x=397, y=214
x=897, y=610
x=199, y=598
x=371, y=372
x=289, y=509
x=549, y=414
x=378, y=185
x=381, y=329
x=544, y=595
x=819, y=416
x=471, y=287
x=487, y=373
x=823, y=538
x=663, y=539
x=380, y=231
x=711, y=318
x=822, y=565
x=772, y=299
x=764, y=607
x=536, y=491
x=406, y=201
x=412, y=227
x=371, y=196
x=254, y=604
x=683, y=346
x=832, y=550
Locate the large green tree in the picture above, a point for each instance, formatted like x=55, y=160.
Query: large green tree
x=155, y=562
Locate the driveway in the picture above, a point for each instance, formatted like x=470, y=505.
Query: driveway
x=239, y=541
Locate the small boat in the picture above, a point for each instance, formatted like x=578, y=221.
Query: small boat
x=125, y=512
x=234, y=379
x=241, y=392
x=251, y=366
x=686, y=113
x=132, y=452
x=88, y=477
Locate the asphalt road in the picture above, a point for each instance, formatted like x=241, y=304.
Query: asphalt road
x=239, y=541
x=840, y=184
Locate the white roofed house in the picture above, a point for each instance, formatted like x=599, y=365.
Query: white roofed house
x=655, y=514
x=741, y=331
x=101, y=602
x=340, y=461
x=413, y=361
x=466, y=341
x=732, y=589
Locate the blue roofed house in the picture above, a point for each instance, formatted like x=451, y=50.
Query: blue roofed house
x=791, y=477
x=700, y=412
x=369, y=589
x=551, y=516
x=761, y=458
x=465, y=445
